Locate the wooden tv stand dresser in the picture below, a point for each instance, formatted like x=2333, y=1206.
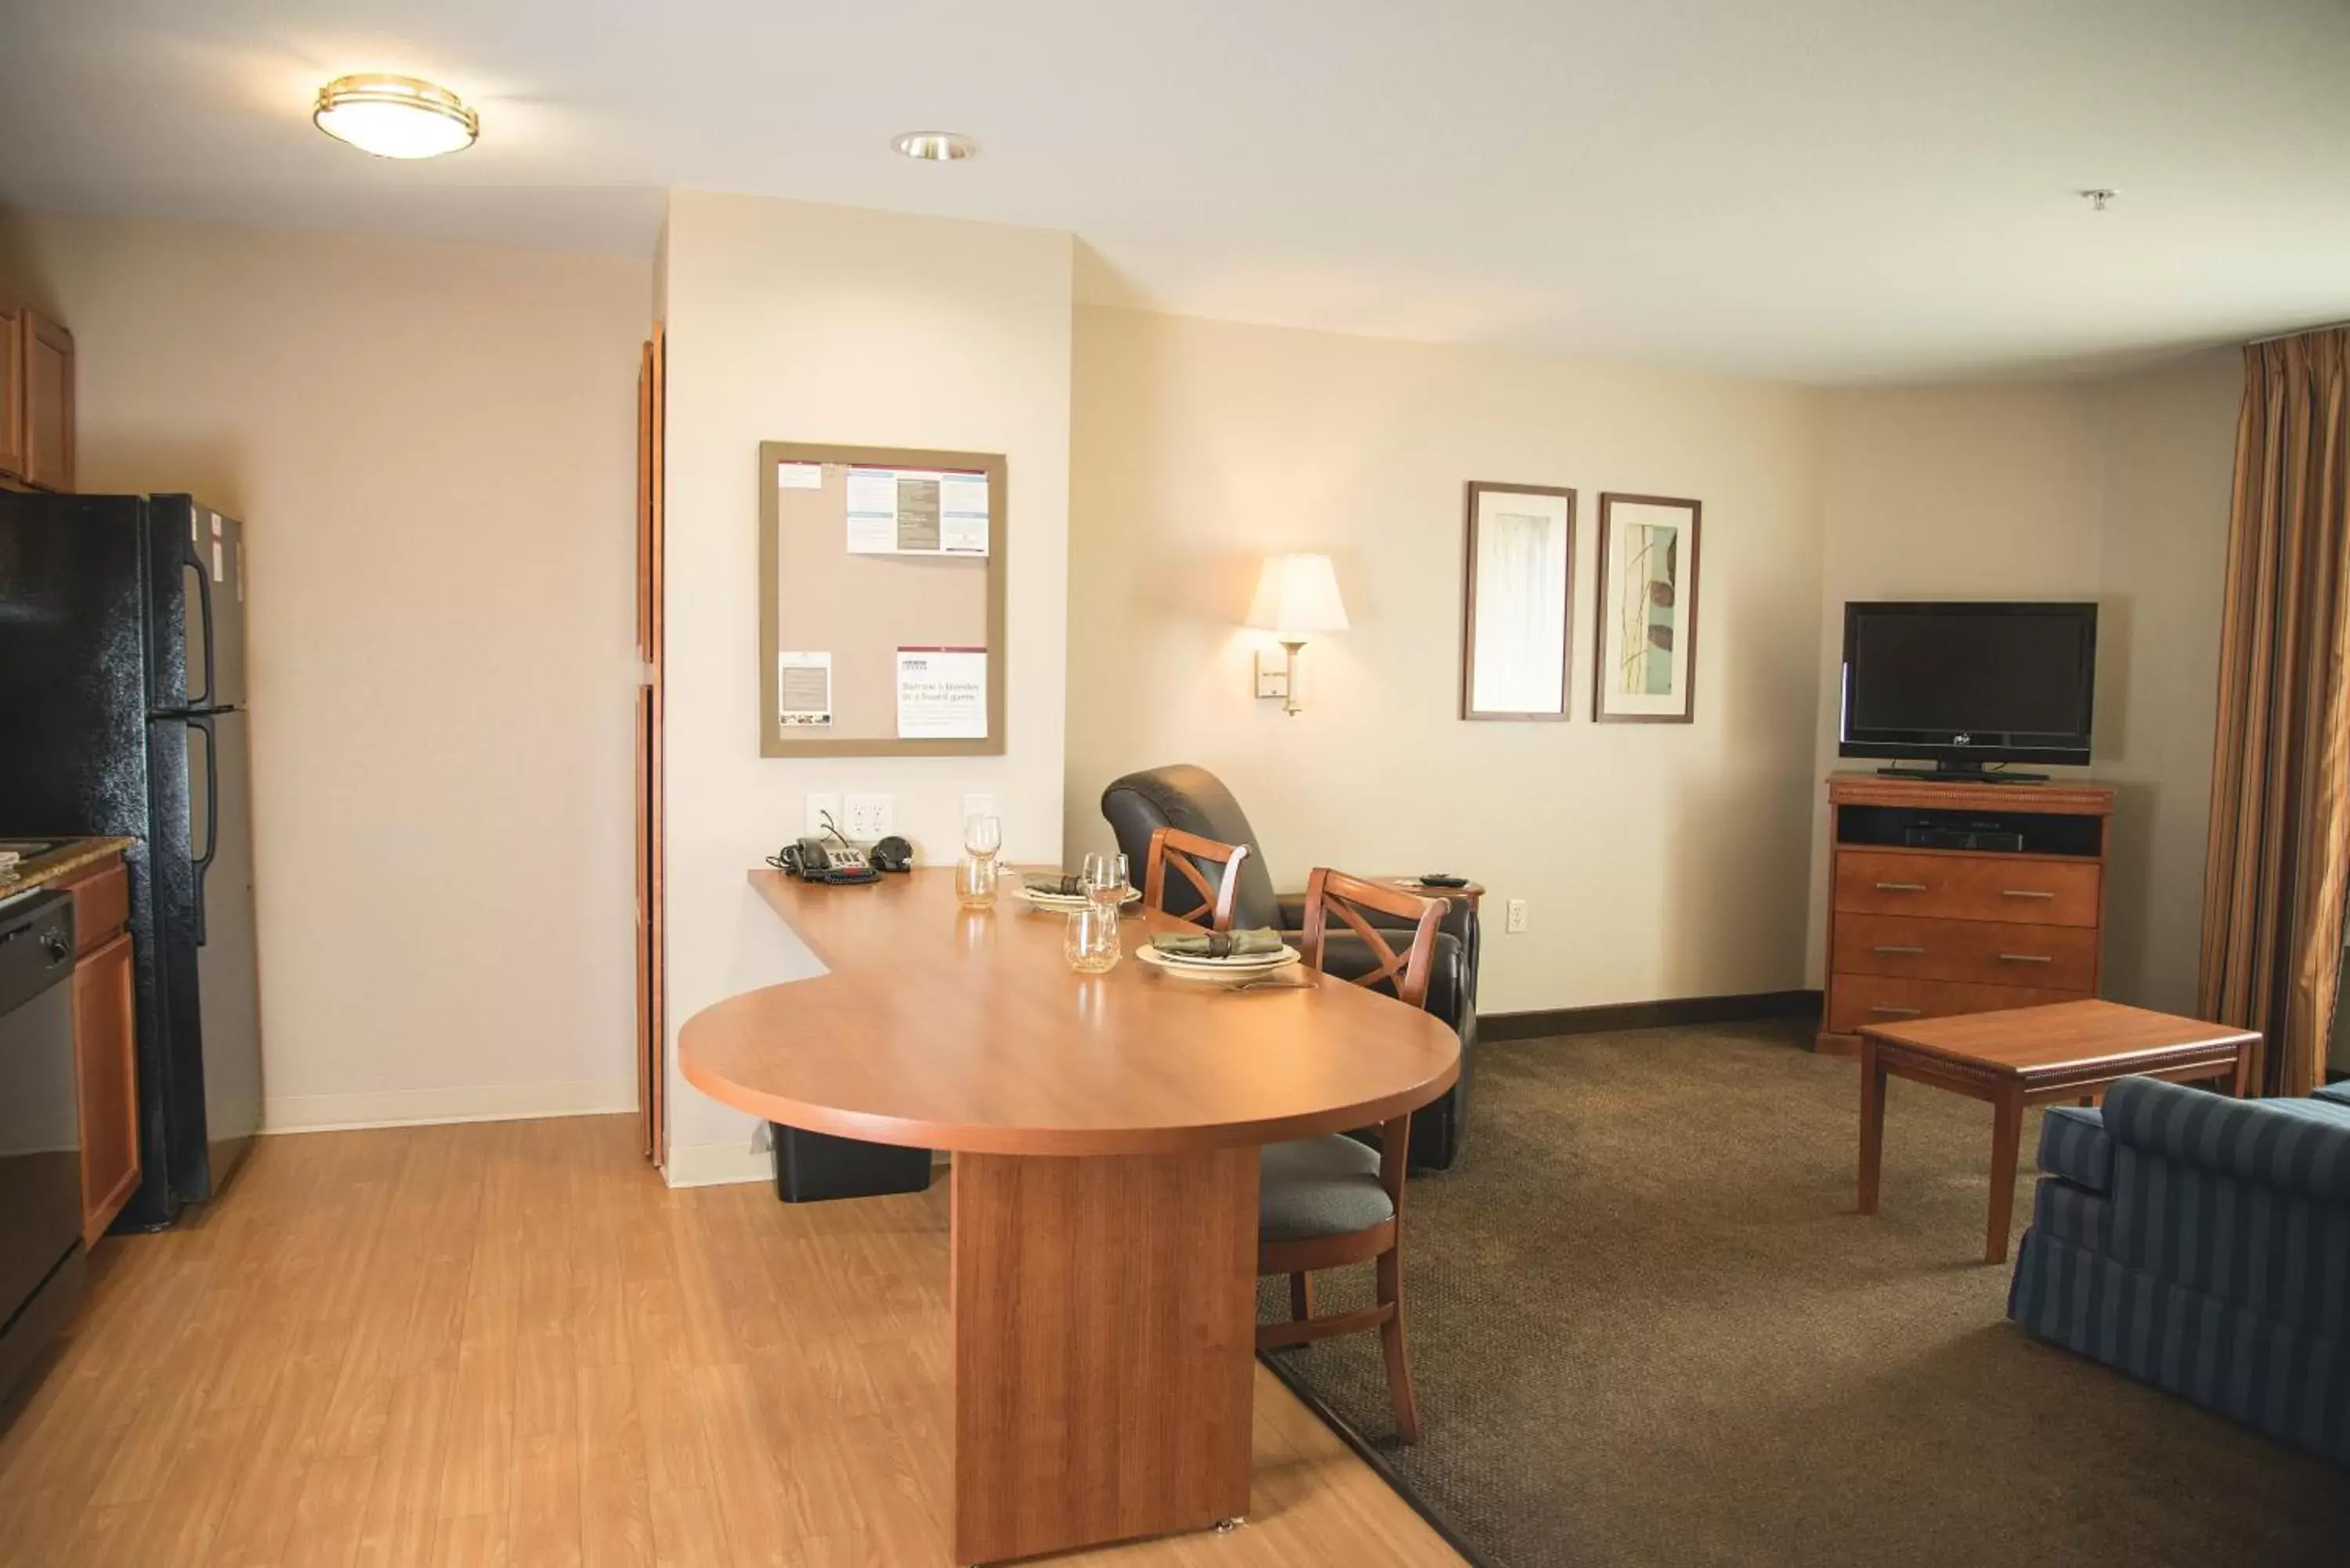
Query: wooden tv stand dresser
x=1954, y=897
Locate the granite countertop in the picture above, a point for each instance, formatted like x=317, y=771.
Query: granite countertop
x=59, y=863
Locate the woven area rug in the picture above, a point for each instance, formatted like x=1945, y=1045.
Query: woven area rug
x=1648, y=1327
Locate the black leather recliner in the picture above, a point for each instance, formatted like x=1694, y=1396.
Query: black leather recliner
x=1194, y=800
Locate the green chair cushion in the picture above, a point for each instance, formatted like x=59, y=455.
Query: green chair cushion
x=1319, y=1187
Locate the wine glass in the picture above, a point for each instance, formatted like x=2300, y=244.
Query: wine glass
x=1105, y=880
x=982, y=834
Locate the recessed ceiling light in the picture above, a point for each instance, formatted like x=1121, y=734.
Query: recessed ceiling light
x=936, y=146
x=395, y=116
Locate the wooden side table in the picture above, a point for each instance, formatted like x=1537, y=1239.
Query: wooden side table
x=2032, y=1056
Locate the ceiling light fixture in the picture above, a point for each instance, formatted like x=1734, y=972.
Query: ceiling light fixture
x=395, y=116
x=936, y=146
x=2098, y=196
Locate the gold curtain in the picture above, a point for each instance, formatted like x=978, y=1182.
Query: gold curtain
x=2278, y=865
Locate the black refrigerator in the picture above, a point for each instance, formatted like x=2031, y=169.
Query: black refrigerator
x=122, y=710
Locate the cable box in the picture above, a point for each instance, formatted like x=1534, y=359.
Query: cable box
x=1996, y=839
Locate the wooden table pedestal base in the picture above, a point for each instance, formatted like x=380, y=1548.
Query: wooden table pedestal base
x=1105, y=1314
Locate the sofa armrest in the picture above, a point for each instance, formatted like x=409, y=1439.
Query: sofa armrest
x=2074, y=1145
x=2296, y=1146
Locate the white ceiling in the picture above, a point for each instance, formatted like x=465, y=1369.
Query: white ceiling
x=1825, y=190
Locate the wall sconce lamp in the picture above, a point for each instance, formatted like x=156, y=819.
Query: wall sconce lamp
x=1295, y=595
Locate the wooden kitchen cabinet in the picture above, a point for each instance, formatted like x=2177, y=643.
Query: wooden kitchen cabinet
x=105, y=1051
x=13, y=319
x=49, y=361
x=36, y=399
x=106, y=1044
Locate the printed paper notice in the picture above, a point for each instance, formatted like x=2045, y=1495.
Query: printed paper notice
x=799, y=476
x=963, y=513
x=917, y=511
x=803, y=689
x=873, y=512
x=918, y=514
x=943, y=693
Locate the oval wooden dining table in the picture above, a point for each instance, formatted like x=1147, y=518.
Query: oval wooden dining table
x=1105, y=1131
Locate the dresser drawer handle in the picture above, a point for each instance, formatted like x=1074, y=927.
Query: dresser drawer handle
x=1905, y=951
x=1901, y=887
x=2026, y=958
x=1895, y=1011
x=2023, y=893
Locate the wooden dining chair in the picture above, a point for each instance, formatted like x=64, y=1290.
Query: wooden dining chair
x=1187, y=852
x=1323, y=1203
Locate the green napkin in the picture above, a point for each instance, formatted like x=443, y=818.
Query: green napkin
x=1219, y=944
x=1061, y=884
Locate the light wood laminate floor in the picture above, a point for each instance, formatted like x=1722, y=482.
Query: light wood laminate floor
x=510, y=1343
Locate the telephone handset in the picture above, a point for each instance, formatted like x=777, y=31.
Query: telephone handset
x=813, y=860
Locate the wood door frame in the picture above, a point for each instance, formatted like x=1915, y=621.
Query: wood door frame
x=651, y=852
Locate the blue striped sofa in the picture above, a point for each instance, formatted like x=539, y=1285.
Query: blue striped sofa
x=2202, y=1244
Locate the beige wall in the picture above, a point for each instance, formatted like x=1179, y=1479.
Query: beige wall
x=2115, y=491
x=431, y=445
x=793, y=322
x=433, y=449
x=1657, y=859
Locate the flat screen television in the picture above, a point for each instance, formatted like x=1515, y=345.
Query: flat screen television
x=1964, y=684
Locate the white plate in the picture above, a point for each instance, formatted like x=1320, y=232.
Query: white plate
x=1211, y=969
x=1062, y=903
x=1229, y=960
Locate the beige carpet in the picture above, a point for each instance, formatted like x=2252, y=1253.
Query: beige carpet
x=1649, y=1327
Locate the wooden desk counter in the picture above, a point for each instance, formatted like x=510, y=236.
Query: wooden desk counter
x=1106, y=1184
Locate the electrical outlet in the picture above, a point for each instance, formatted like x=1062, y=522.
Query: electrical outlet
x=868, y=819
x=1515, y=920
x=820, y=807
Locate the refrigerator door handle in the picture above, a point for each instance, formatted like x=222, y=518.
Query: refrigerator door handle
x=204, y=863
x=205, y=610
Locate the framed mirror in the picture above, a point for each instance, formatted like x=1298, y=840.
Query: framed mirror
x=1518, y=596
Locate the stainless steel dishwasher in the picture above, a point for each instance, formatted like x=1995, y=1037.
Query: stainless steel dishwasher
x=40, y=1135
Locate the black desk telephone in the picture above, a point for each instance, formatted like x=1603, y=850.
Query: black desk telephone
x=813, y=860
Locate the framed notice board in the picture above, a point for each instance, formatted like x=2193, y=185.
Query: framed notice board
x=881, y=589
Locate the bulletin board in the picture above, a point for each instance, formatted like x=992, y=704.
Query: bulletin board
x=881, y=601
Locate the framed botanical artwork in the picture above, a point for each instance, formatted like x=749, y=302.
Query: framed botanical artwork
x=1646, y=668
x=1518, y=598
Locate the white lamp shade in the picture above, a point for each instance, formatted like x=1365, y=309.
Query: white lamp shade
x=1296, y=595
